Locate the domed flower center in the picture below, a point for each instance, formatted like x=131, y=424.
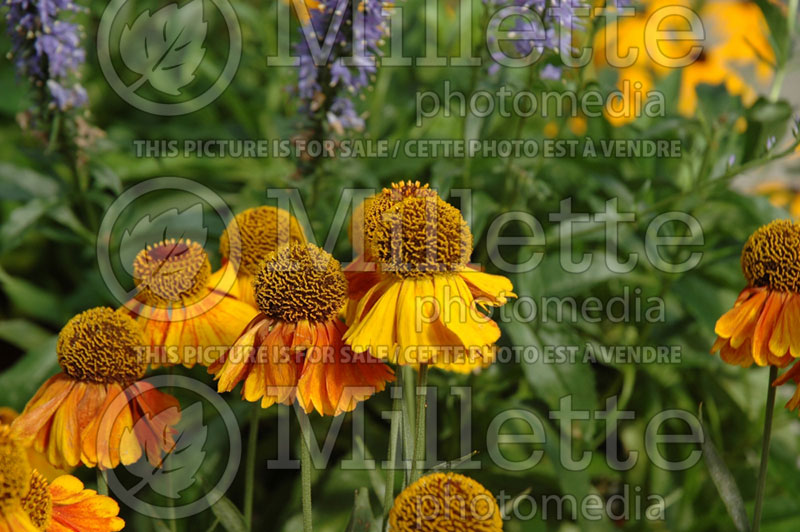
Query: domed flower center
x=15, y=472
x=261, y=230
x=300, y=282
x=38, y=503
x=445, y=501
x=171, y=272
x=771, y=257
x=100, y=345
x=419, y=234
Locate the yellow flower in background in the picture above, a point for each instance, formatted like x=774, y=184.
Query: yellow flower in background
x=764, y=324
x=37, y=460
x=781, y=194
x=423, y=303
x=187, y=317
x=96, y=412
x=246, y=242
x=736, y=53
x=15, y=474
x=444, y=502
x=294, y=349
x=65, y=506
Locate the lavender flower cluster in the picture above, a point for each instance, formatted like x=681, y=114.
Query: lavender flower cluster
x=551, y=28
x=47, y=50
x=329, y=83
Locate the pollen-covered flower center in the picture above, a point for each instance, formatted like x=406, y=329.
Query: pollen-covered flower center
x=421, y=235
x=38, y=503
x=445, y=501
x=14, y=469
x=261, y=230
x=300, y=282
x=771, y=257
x=171, y=272
x=100, y=345
x=376, y=206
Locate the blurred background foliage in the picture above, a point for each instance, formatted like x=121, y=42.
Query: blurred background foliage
x=49, y=270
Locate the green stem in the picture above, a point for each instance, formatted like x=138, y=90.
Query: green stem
x=780, y=74
x=407, y=381
x=305, y=473
x=762, y=471
x=250, y=466
x=394, y=432
x=102, y=483
x=419, y=442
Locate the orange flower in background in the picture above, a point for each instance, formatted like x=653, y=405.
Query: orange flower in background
x=37, y=460
x=248, y=239
x=735, y=53
x=187, y=317
x=294, y=348
x=96, y=412
x=65, y=506
x=782, y=195
x=764, y=324
x=443, y=502
x=423, y=303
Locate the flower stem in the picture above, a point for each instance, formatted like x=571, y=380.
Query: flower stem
x=394, y=432
x=250, y=466
x=762, y=471
x=102, y=483
x=419, y=442
x=305, y=472
x=407, y=382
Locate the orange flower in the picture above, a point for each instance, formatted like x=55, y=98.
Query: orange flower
x=96, y=412
x=764, y=324
x=15, y=474
x=65, y=506
x=186, y=316
x=294, y=349
x=421, y=303
x=247, y=240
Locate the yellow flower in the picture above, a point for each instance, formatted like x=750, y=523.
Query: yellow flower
x=294, y=349
x=96, y=411
x=445, y=502
x=421, y=303
x=247, y=240
x=736, y=41
x=64, y=506
x=15, y=474
x=764, y=324
x=37, y=460
x=781, y=195
x=187, y=317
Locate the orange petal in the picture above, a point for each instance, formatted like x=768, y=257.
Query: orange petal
x=765, y=327
x=79, y=509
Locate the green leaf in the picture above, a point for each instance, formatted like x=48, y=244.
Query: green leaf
x=21, y=381
x=362, y=519
x=229, y=516
x=17, y=183
x=33, y=301
x=23, y=334
x=726, y=484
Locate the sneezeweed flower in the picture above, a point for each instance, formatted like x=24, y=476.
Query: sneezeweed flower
x=764, y=324
x=64, y=505
x=423, y=305
x=97, y=411
x=326, y=86
x=15, y=474
x=37, y=460
x=443, y=502
x=247, y=240
x=47, y=51
x=294, y=349
x=187, y=316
